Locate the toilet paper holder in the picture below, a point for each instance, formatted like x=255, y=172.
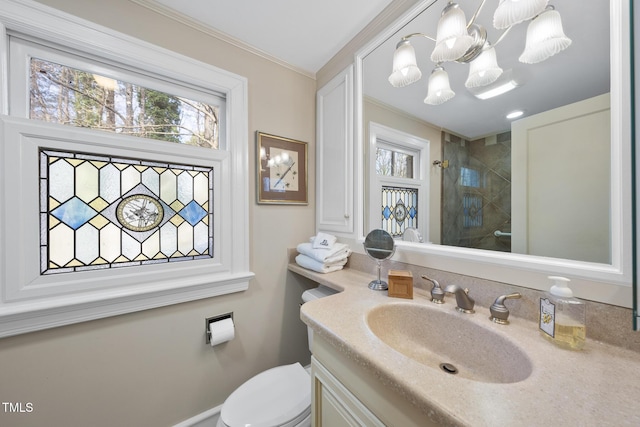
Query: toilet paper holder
x=210, y=320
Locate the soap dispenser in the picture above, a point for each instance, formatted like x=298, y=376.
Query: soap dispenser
x=562, y=317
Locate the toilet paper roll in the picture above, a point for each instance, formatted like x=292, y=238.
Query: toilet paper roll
x=221, y=331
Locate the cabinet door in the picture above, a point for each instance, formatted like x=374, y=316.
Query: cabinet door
x=333, y=405
x=334, y=154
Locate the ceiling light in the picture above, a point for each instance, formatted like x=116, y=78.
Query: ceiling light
x=466, y=42
x=452, y=39
x=439, y=90
x=545, y=37
x=511, y=12
x=514, y=114
x=484, y=69
x=405, y=70
x=497, y=90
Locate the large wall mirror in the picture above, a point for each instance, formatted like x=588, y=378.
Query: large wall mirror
x=548, y=192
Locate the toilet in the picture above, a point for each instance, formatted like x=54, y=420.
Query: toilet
x=277, y=397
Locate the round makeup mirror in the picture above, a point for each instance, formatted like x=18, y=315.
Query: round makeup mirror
x=379, y=245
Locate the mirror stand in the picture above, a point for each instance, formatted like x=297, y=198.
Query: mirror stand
x=378, y=285
x=379, y=245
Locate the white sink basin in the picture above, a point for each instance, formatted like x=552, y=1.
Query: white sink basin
x=447, y=341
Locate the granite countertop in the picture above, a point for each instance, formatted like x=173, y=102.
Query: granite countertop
x=598, y=386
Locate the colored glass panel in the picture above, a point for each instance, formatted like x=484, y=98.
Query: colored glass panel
x=102, y=212
x=399, y=209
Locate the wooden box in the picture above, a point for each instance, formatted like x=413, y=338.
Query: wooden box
x=400, y=284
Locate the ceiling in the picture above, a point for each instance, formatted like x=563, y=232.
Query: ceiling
x=303, y=33
x=307, y=34
x=581, y=71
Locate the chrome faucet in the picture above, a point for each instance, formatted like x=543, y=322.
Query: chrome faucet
x=437, y=294
x=463, y=300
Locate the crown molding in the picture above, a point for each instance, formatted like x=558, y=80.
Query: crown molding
x=345, y=56
x=210, y=31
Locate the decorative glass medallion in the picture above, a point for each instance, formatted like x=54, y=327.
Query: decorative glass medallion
x=140, y=212
x=400, y=211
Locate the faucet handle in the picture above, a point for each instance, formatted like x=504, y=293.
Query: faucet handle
x=499, y=311
x=437, y=294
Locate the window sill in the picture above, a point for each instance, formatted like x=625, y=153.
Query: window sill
x=21, y=317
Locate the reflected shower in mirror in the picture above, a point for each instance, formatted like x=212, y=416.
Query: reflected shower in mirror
x=538, y=184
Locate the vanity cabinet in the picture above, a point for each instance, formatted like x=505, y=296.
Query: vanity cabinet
x=334, y=155
x=334, y=405
x=345, y=394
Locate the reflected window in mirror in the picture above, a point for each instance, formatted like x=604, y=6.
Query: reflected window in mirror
x=469, y=177
x=400, y=184
x=399, y=209
x=390, y=162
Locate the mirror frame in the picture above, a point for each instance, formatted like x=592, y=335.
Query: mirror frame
x=635, y=93
x=608, y=283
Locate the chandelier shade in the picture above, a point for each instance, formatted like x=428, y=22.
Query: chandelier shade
x=405, y=70
x=483, y=70
x=545, y=38
x=511, y=12
x=467, y=43
x=439, y=91
x=452, y=39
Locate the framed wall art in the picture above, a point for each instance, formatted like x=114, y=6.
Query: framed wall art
x=281, y=170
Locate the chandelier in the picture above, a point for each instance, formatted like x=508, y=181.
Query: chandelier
x=466, y=42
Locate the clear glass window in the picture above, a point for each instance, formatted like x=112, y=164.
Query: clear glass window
x=66, y=95
x=469, y=177
x=394, y=163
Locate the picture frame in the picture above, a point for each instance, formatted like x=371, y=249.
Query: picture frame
x=281, y=170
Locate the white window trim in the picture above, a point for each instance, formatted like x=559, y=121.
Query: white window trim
x=138, y=288
x=393, y=139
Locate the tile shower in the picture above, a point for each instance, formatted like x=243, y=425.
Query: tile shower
x=476, y=192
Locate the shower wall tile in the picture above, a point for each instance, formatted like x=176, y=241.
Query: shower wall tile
x=490, y=158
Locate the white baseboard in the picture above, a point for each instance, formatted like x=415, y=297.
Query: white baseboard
x=207, y=418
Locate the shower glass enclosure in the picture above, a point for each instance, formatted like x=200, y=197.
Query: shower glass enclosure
x=476, y=192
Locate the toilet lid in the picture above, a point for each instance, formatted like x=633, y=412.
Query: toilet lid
x=269, y=399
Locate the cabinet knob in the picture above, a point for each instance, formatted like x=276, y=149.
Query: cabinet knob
x=347, y=216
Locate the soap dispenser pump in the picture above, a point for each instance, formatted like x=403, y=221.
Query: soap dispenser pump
x=562, y=317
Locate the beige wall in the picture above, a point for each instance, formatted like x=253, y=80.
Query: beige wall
x=395, y=119
x=571, y=145
x=152, y=368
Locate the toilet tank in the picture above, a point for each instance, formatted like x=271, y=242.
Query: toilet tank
x=312, y=294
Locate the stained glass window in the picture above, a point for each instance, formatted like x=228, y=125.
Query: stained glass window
x=399, y=209
x=105, y=212
x=472, y=210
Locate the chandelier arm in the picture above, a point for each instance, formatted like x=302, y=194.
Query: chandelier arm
x=475, y=15
x=408, y=36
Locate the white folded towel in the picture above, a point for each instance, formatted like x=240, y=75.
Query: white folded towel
x=324, y=241
x=312, y=264
x=338, y=252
